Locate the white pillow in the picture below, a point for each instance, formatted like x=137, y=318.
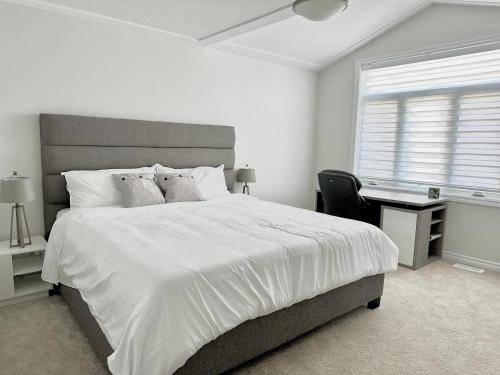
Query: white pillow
x=210, y=180
x=89, y=189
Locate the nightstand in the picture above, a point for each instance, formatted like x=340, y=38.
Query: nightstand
x=20, y=271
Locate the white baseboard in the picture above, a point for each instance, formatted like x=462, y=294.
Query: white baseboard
x=471, y=261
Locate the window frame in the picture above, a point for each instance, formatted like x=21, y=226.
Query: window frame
x=436, y=52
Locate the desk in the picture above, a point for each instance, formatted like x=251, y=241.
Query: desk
x=413, y=221
x=407, y=199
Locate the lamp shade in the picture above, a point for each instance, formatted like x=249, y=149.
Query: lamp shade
x=246, y=175
x=16, y=190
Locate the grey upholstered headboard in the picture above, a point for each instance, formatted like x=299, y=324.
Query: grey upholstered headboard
x=91, y=143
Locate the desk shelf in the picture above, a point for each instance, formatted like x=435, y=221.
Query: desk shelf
x=435, y=236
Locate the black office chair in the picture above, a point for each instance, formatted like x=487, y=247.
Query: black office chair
x=340, y=192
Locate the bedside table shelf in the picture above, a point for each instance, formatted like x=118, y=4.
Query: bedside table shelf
x=30, y=285
x=27, y=264
x=20, y=272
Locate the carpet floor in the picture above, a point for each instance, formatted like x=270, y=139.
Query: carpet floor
x=437, y=320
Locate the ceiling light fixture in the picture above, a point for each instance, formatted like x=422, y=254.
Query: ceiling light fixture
x=319, y=10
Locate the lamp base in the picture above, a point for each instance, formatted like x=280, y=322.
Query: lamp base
x=246, y=189
x=18, y=212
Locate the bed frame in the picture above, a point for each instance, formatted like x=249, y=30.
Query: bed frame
x=90, y=143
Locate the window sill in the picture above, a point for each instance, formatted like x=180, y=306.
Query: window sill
x=474, y=201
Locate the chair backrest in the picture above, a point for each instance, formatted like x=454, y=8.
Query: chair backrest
x=340, y=193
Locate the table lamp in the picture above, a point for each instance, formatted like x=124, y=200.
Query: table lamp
x=17, y=190
x=246, y=175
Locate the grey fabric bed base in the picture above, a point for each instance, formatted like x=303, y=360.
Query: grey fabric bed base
x=252, y=338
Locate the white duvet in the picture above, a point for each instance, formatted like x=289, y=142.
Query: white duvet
x=162, y=281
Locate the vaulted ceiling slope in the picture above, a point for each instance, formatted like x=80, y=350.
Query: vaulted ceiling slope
x=264, y=29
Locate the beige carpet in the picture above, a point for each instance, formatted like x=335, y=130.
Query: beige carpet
x=437, y=320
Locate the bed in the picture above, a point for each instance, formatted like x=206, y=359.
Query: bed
x=293, y=244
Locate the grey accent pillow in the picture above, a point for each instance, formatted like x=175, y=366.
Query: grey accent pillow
x=138, y=189
x=179, y=187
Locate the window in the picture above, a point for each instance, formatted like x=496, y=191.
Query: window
x=432, y=123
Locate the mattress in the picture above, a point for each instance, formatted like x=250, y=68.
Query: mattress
x=162, y=281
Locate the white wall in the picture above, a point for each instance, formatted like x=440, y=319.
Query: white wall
x=471, y=230
x=62, y=64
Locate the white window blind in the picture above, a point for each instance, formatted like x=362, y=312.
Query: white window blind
x=432, y=123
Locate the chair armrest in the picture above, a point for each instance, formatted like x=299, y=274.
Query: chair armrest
x=364, y=204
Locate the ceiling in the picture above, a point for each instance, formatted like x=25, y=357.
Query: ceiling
x=192, y=18
x=318, y=43
x=264, y=29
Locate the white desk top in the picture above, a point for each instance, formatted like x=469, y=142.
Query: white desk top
x=412, y=199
